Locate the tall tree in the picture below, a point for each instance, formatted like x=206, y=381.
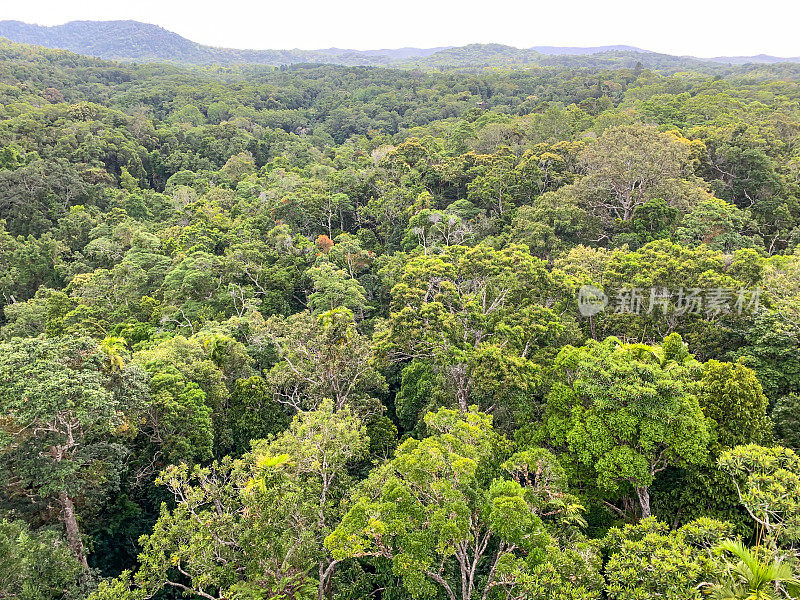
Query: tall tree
x=322, y=357
x=61, y=403
x=437, y=515
x=626, y=412
x=253, y=527
x=630, y=165
x=477, y=314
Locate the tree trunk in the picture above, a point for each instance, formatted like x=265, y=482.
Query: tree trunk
x=460, y=378
x=71, y=525
x=644, y=500
x=325, y=579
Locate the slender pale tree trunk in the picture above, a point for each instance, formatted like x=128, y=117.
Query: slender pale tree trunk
x=325, y=578
x=461, y=379
x=71, y=524
x=644, y=500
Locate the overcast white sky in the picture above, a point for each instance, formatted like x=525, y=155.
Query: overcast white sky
x=696, y=27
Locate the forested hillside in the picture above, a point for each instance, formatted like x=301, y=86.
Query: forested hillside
x=343, y=332
x=144, y=42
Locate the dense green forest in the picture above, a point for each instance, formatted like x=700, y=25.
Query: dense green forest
x=335, y=332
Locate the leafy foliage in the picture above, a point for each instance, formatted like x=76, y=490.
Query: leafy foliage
x=314, y=330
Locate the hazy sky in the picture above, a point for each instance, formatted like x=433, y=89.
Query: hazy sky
x=696, y=27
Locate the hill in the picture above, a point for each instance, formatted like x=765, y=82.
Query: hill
x=144, y=42
x=585, y=49
x=109, y=39
x=759, y=58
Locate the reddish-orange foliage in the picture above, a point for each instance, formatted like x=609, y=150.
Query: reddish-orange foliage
x=324, y=243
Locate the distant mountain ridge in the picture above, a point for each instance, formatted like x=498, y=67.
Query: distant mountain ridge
x=144, y=42
x=104, y=39
x=758, y=58
x=585, y=49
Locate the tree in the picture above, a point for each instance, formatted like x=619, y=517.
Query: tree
x=349, y=254
x=495, y=183
x=189, y=390
x=768, y=344
x=253, y=527
x=625, y=412
x=630, y=165
x=753, y=575
x=239, y=166
x=553, y=222
x=37, y=194
x=476, y=314
x=732, y=397
x=653, y=220
x=437, y=515
x=323, y=444
x=648, y=561
x=60, y=410
x=334, y=288
x=269, y=268
x=194, y=289
x=767, y=481
x=322, y=357
x=251, y=414
x=717, y=224
x=433, y=228
x=178, y=420
x=736, y=408
x=37, y=565
x=657, y=272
